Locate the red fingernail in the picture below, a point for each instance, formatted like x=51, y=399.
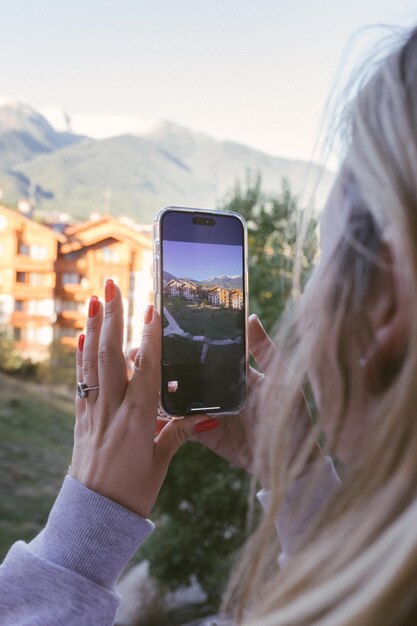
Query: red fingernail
x=81, y=340
x=160, y=424
x=93, y=307
x=206, y=425
x=148, y=313
x=109, y=290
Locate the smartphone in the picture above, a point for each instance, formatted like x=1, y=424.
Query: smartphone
x=201, y=292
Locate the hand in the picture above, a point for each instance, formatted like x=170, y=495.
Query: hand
x=115, y=449
x=236, y=438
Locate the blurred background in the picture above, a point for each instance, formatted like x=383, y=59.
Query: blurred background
x=110, y=110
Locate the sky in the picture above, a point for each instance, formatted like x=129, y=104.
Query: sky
x=254, y=71
x=201, y=261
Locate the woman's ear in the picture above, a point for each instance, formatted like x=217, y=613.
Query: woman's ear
x=387, y=309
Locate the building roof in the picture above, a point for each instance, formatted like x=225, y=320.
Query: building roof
x=107, y=227
x=17, y=216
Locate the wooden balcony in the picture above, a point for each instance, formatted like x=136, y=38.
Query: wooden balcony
x=71, y=318
x=21, y=318
x=77, y=266
x=25, y=263
x=72, y=289
x=24, y=291
x=69, y=342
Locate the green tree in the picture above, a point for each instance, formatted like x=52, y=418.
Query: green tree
x=202, y=508
x=274, y=225
x=59, y=369
x=201, y=513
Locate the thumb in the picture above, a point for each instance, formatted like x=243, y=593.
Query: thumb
x=261, y=345
x=177, y=432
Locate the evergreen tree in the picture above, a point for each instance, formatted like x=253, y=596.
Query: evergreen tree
x=274, y=223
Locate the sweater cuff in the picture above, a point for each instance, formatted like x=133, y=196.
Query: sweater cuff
x=302, y=503
x=90, y=534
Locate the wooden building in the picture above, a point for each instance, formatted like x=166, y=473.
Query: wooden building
x=47, y=278
x=28, y=252
x=94, y=251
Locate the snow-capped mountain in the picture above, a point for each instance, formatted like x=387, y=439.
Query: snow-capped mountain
x=146, y=165
x=97, y=126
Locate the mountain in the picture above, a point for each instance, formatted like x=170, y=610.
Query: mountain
x=133, y=175
x=24, y=134
x=166, y=276
x=229, y=282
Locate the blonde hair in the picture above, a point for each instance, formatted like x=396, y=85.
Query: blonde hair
x=357, y=563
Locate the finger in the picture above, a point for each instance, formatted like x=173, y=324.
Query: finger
x=112, y=372
x=142, y=391
x=261, y=345
x=131, y=353
x=92, y=337
x=177, y=432
x=79, y=402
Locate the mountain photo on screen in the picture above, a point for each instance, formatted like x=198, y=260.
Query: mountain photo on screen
x=203, y=303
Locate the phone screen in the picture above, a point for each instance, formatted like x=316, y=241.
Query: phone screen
x=203, y=312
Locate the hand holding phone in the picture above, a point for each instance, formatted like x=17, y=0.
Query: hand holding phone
x=236, y=438
x=201, y=293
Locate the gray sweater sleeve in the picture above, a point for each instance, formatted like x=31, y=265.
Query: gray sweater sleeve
x=66, y=575
x=302, y=503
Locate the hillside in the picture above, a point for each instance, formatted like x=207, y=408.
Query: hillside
x=36, y=431
x=130, y=174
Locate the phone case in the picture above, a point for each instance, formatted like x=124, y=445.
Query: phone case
x=157, y=285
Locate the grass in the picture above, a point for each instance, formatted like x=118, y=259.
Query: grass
x=36, y=434
x=211, y=322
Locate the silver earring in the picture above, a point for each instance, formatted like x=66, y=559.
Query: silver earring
x=363, y=361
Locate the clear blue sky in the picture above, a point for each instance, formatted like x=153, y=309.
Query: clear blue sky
x=255, y=71
x=201, y=261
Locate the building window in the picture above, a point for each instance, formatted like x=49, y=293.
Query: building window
x=72, y=305
x=23, y=248
x=39, y=334
x=21, y=277
x=71, y=278
x=65, y=305
x=38, y=252
x=19, y=305
x=17, y=334
x=67, y=331
x=39, y=280
x=3, y=222
x=110, y=255
x=40, y=307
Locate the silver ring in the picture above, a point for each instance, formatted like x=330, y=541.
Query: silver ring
x=83, y=390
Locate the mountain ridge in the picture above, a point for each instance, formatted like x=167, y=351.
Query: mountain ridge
x=132, y=175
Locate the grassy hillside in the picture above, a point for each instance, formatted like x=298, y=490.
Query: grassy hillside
x=36, y=429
